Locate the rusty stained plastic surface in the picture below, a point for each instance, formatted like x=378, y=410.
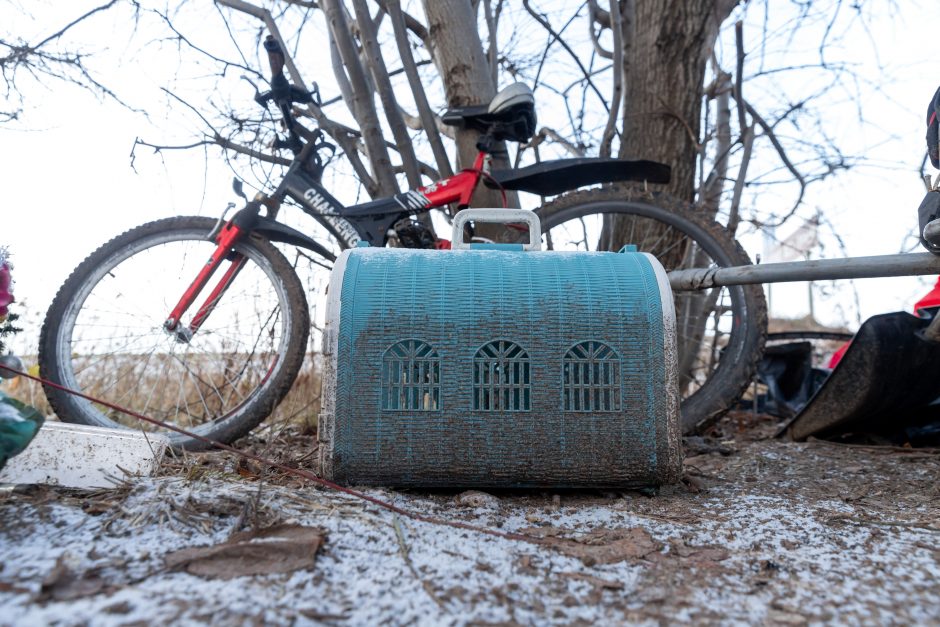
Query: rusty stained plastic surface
x=499, y=369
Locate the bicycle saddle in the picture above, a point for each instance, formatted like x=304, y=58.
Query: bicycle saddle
x=509, y=116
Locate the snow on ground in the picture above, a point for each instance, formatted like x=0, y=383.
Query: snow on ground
x=769, y=533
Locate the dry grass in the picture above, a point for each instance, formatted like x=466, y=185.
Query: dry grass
x=300, y=407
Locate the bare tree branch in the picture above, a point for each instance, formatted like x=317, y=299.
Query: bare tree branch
x=713, y=186
x=370, y=45
x=410, y=22
x=339, y=72
x=739, y=74
x=781, y=152
x=597, y=15
x=225, y=64
x=556, y=37
x=217, y=140
x=65, y=66
x=63, y=30
x=734, y=213
x=617, y=90
x=362, y=105
x=491, y=52
x=546, y=133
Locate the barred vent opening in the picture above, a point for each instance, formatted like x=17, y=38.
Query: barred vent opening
x=502, y=378
x=411, y=377
x=591, y=378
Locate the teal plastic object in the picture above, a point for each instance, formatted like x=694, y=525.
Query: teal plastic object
x=19, y=424
x=495, y=368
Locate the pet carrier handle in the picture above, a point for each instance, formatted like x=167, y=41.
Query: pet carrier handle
x=498, y=216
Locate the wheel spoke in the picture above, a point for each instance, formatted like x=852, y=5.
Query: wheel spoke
x=223, y=379
x=720, y=332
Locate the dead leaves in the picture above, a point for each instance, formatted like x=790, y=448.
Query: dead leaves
x=600, y=546
x=609, y=546
x=65, y=584
x=277, y=549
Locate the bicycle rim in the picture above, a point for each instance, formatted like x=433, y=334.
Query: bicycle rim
x=719, y=332
x=110, y=342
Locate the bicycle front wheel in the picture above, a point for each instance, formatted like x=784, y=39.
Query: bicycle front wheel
x=104, y=335
x=720, y=332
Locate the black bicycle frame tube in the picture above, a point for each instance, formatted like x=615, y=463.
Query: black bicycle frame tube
x=322, y=206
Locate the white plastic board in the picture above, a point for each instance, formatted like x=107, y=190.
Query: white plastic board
x=79, y=456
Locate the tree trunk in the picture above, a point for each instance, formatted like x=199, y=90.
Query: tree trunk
x=458, y=55
x=665, y=54
x=665, y=50
x=460, y=60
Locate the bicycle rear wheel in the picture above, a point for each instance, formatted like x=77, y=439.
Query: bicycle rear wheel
x=720, y=332
x=103, y=335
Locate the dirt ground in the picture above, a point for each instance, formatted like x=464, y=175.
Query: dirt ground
x=759, y=532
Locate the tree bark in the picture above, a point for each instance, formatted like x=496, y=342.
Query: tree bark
x=665, y=51
x=460, y=60
x=362, y=105
x=458, y=55
x=665, y=55
x=373, y=54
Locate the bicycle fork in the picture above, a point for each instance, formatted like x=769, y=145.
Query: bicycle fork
x=227, y=237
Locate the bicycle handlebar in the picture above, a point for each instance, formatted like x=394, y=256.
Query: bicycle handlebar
x=275, y=56
x=284, y=94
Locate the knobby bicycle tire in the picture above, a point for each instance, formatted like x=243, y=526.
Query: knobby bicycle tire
x=683, y=238
x=103, y=335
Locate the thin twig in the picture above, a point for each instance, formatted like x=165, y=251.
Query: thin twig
x=217, y=140
x=557, y=37
x=406, y=555
x=616, y=97
x=62, y=31
x=782, y=153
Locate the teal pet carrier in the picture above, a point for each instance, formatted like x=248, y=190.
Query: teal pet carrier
x=499, y=367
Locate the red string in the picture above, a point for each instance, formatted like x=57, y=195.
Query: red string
x=304, y=474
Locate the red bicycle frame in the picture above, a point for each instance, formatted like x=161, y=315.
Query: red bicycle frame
x=226, y=239
x=455, y=189
x=458, y=188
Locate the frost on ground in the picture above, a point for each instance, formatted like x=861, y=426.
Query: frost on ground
x=759, y=532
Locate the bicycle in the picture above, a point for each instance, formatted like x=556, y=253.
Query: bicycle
x=116, y=327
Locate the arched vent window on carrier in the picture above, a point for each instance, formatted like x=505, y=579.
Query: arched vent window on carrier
x=591, y=378
x=411, y=377
x=502, y=379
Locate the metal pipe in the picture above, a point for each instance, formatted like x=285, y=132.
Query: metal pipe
x=906, y=264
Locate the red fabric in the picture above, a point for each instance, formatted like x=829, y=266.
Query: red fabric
x=837, y=356
x=442, y=244
x=931, y=299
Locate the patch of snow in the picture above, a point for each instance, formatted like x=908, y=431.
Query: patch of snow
x=790, y=558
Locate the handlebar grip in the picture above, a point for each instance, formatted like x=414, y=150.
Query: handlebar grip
x=275, y=55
